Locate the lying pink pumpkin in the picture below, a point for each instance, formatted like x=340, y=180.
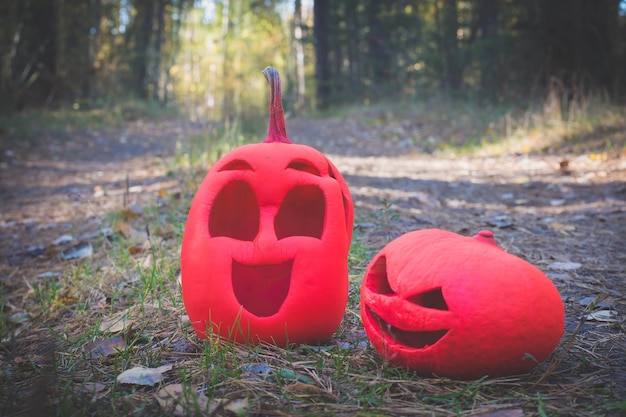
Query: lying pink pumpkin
x=454, y=306
x=265, y=248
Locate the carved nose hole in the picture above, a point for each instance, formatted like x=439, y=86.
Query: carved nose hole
x=302, y=213
x=430, y=299
x=235, y=212
x=377, y=280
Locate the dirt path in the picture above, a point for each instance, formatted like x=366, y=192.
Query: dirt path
x=65, y=184
x=567, y=218
x=570, y=222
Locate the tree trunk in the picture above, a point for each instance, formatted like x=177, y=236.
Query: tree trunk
x=299, y=50
x=352, y=28
x=155, y=62
x=35, y=63
x=145, y=15
x=322, y=68
x=378, y=44
x=490, y=62
x=448, y=26
x=227, y=99
x=10, y=31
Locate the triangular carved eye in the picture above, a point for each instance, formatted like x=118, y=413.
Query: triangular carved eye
x=377, y=280
x=430, y=299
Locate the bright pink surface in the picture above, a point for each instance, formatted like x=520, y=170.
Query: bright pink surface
x=461, y=307
x=265, y=248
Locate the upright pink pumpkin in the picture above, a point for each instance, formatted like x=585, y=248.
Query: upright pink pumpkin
x=265, y=248
x=449, y=305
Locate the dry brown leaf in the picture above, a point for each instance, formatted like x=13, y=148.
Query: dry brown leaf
x=104, y=347
x=562, y=227
x=135, y=249
x=238, y=406
x=128, y=214
x=118, y=323
x=165, y=231
x=123, y=228
x=147, y=262
x=173, y=398
x=97, y=298
x=169, y=396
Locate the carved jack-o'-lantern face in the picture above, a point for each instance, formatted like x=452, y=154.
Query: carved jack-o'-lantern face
x=440, y=303
x=264, y=255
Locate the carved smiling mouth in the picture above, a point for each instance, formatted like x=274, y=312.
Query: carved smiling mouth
x=261, y=289
x=416, y=340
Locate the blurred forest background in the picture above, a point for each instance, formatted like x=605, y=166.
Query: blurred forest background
x=205, y=57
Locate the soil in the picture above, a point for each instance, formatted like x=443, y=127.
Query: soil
x=66, y=183
x=563, y=212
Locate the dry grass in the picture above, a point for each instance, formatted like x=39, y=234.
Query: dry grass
x=122, y=308
x=49, y=365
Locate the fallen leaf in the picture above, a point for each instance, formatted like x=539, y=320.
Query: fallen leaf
x=35, y=251
x=166, y=231
x=98, y=191
x=130, y=214
x=97, y=298
x=118, y=323
x=135, y=249
x=50, y=274
x=562, y=227
x=559, y=276
x=594, y=300
x=501, y=222
x=425, y=199
x=557, y=202
x=603, y=316
x=104, y=347
x=258, y=369
x=238, y=406
x=174, y=398
x=564, y=266
x=18, y=318
x=168, y=396
x=63, y=239
x=80, y=251
x=147, y=262
x=123, y=228
x=92, y=387
x=143, y=376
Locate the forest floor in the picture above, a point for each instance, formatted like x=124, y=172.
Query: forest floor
x=89, y=218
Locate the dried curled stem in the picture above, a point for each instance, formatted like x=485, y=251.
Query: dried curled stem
x=276, y=131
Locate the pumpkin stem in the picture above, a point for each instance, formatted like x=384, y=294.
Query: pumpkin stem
x=276, y=131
